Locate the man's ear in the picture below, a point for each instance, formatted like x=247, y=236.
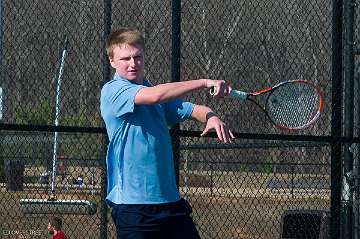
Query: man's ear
x=111, y=60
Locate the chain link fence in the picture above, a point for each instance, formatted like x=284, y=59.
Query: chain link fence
x=267, y=184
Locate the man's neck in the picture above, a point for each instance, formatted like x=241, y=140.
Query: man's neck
x=135, y=81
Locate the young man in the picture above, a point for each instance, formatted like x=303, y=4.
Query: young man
x=142, y=188
x=54, y=228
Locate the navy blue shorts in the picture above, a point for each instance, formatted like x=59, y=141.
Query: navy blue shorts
x=154, y=221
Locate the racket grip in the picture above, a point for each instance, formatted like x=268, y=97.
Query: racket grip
x=239, y=95
x=236, y=94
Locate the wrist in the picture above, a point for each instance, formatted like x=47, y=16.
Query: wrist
x=205, y=83
x=210, y=115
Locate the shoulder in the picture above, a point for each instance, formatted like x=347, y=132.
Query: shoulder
x=114, y=86
x=115, y=82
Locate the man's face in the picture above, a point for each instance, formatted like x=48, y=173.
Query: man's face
x=128, y=61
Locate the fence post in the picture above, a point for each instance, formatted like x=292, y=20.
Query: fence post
x=175, y=74
x=2, y=98
x=347, y=189
x=356, y=150
x=336, y=121
x=1, y=80
x=106, y=77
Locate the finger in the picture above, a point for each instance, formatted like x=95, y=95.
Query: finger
x=219, y=133
x=206, y=130
x=231, y=134
x=219, y=93
x=225, y=89
x=228, y=90
x=221, y=89
x=222, y=133
x=226, y=135
x=230, y=138
x=216, y=88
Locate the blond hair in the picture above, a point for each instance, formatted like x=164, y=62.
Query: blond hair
x=123, y=36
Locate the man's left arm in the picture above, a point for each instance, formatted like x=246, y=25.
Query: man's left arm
x=206, y=115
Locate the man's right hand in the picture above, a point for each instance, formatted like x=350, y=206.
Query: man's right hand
x=220, y=88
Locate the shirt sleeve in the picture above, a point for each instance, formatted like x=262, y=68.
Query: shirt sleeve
x=120, y=96
x=177, y=111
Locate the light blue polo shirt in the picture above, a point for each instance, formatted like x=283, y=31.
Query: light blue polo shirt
x=139, y=158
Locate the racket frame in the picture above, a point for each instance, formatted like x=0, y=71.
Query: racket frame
x=241, y=95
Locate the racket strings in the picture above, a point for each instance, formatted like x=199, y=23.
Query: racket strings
x=293, y=105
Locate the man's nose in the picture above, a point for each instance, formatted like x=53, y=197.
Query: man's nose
x=132, y=61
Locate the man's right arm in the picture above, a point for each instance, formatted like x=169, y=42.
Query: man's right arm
x=169, y=91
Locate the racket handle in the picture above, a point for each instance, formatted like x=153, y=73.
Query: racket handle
x=239, y=95
x=236, y=94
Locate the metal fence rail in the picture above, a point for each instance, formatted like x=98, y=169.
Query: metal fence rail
x=267, y=184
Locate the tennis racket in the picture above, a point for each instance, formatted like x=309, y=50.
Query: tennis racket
x=290, y=105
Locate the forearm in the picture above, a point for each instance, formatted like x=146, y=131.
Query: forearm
x=168, y=91
x=202, y=113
